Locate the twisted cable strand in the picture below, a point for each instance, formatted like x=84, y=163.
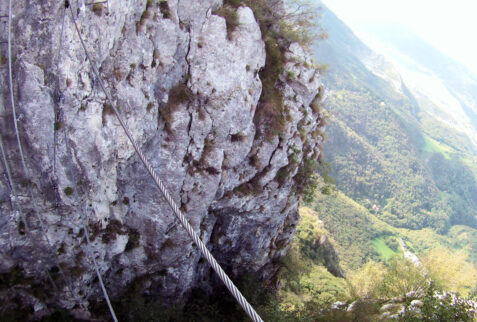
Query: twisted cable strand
x=178, y=213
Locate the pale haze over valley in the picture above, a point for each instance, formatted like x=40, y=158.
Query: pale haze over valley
x=430, y=46
x=448, y=27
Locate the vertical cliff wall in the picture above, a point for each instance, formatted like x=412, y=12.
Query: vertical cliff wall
x=189, y=92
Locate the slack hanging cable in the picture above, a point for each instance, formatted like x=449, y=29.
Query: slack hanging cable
x=20, y=147
x=10, y=79
x=178, y=213
x=84, y=218
x=15, y=202
x=7, y=168
x=57, y=65
x=10, y=181
x=85, y=228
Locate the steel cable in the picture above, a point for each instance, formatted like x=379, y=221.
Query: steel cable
x=12, y=102
x=178, y=213
x=22, y=156
x=84, y=215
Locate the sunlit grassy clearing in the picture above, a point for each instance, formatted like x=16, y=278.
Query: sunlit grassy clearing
x=383, y=249
x=434, y=146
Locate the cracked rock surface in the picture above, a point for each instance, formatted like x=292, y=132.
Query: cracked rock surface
x=189, y=94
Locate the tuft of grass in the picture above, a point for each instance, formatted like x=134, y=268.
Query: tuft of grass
x=133, y=241
x=57, y=126
x=282, y=175
x=118, y=75
x=165, y=10
x=113, y=229
x=98, y=9
x=315, y=104
x=68, y=191
x=255, y=161
x=107, y=110
x=239, y=137
x=306, y=179
x=271, y=111
x=178, y=95
x=146, y=14
x=231, y=18
x=21, y=228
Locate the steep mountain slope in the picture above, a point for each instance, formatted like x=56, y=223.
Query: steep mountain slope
x=389, y=153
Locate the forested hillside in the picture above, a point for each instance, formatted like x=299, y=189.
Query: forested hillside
x=404, y=179
x=405, y=185
x=388, y=154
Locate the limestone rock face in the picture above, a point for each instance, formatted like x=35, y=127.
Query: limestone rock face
x=189, y=94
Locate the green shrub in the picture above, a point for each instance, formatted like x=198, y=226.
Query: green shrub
x=279, y=30
x=307, y=180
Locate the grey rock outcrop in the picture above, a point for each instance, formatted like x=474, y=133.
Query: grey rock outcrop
x=189, y=94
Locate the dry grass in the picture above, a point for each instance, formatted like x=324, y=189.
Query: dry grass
x=231, y=18
x=179, y=94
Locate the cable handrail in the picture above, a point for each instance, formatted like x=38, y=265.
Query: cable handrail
x=177, y=212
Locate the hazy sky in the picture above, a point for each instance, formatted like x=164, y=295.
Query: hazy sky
x=450, y=26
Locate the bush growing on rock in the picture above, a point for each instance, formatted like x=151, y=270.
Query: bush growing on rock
x=281, y=25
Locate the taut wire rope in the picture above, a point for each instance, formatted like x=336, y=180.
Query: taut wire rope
x=178, y=213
